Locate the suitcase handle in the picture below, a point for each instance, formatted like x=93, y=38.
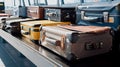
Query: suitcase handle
x=53, y=41
x=25, y=32
x=31, y=11
x=90, y=18
x=56, y=42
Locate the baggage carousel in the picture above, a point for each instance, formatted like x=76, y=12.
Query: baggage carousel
x=42, y=57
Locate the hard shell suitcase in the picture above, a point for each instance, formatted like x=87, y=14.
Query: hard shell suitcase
x=31, y=29
x=102, y=14
x=76, y=42
x=60, y=14
x=18, y=11
x=4, y=19
x=12, y=25
x=35, y=12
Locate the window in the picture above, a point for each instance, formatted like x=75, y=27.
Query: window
x=71, y=1
x=26, y=3
x=31, y=2
x=96, y=1
x=9, y=2
x=1, y=0
x=52, y=2
x=17, y=3
x=41, y=2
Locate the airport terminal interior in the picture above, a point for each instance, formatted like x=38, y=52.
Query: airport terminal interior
x=59, y=33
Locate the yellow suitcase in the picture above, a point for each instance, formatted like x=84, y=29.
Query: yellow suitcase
x=31, y=29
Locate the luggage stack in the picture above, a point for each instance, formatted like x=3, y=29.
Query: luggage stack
x=69, y=41
x=76, y=42
x=56, y=31
x=12, y=25
x=31, y=29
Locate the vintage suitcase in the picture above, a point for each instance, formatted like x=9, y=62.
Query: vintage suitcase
x=4, y=19
x=13, y=25
x=61, y=14
x=76, y=42
x=31, y=29
x=18, y=11
x=35, y=12
x=102, y=14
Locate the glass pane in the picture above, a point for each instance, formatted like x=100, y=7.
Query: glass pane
x=52, y=2
x=96, y=0
x=31, y=2
x=26, y=3
x=68, y=1
x=9, y=2
x=41, y=2
x=17, y=3
x=1, y=0
x=71, y=1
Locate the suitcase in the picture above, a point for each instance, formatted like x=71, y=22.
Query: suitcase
x=61, y=14
x=2, y=7
x=4, y=19
x=76, y=42
x=18, y=11
x=31, y=29
x=35, y=12
x=13, y=25
x=102, y=14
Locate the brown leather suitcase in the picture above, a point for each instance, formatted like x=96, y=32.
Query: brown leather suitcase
x=76, y=42
x=36, y=12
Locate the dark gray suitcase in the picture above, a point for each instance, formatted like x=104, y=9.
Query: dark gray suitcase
x=13, y=25
x=76, y=42
x=60, y=14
